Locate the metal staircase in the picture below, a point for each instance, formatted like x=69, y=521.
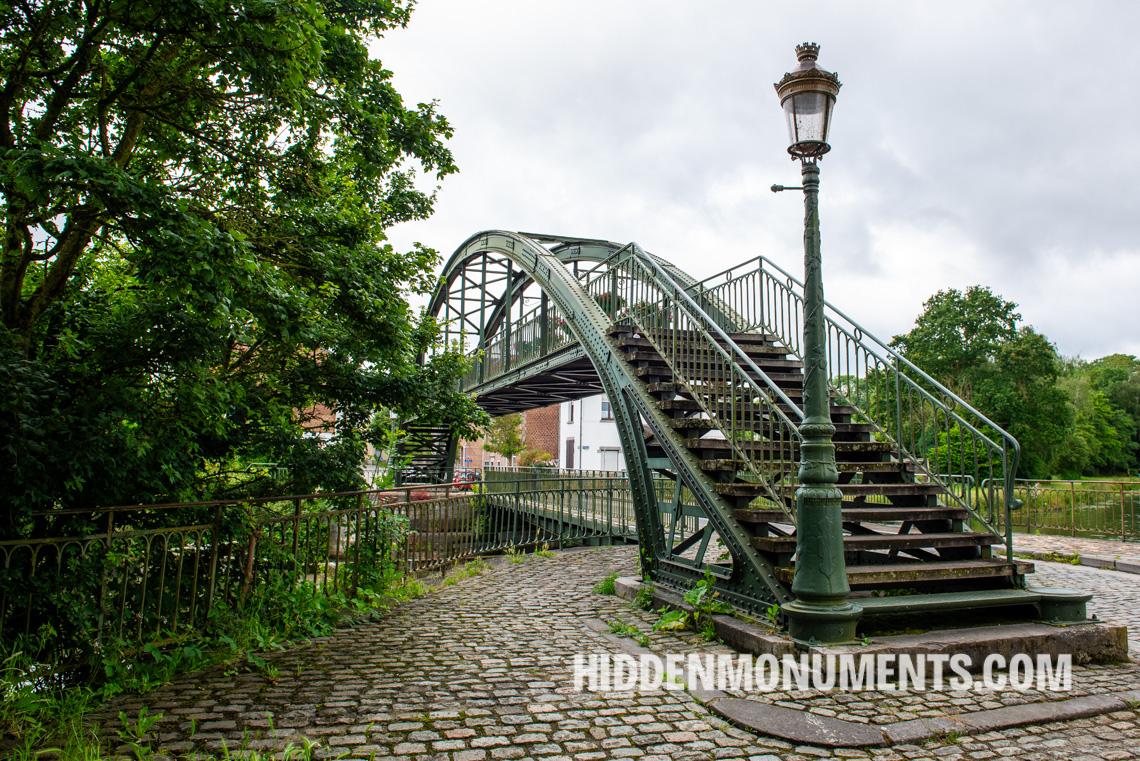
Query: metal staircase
x=424, y=455
x=706, y=383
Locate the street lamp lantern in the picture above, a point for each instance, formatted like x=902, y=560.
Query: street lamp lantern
x=821, y=612
x=808, y=96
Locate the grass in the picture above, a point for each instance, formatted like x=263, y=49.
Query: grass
x=468, y=570
x=38, y=722
x=607, y=586
x=1055, y=557
x=622, y=629
x=643, y=600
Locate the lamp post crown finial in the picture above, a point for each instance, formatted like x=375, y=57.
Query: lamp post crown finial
x=807, y=52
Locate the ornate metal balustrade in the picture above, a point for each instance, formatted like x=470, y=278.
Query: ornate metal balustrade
x=130, y=575
x=950, y=442
x=750, y=411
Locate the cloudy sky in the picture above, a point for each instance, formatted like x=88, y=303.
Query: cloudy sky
x=979, y=141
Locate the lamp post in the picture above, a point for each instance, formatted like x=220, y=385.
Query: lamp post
x=821, y=612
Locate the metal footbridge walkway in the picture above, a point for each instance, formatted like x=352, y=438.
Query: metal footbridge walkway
x=705, y=382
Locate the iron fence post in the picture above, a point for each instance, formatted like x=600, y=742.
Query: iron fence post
x=103, y=576
x=215, y=539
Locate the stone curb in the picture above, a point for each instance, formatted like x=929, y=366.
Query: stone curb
x=1091, y=642
x=812, y=729
x=807, y=728
x=1092, y=561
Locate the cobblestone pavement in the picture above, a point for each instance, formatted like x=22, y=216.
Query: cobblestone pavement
x=1116, y=595
x=481, y=671
x=1075, y=545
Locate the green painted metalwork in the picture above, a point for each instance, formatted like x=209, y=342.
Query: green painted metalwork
x=578, y=325
x=906, y=405
x=576, y=311
x=820, y=611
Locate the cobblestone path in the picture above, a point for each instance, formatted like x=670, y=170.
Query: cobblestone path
x=1116, y=595
x=482, y=670
x=1076, y=545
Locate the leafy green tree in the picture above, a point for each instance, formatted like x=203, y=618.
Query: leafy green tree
x=959, y=334
x=504, y=436
x=973, y=344
x=1103, y=437
x=194, y=199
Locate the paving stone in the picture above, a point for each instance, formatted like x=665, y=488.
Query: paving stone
x=481, y=671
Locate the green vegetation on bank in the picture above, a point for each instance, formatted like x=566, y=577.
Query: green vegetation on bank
x=1073, y=418
x=195, y=278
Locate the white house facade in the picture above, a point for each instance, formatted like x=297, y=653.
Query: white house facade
x=588, y=436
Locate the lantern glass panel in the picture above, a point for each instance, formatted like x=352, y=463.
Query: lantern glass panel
x=807, y=114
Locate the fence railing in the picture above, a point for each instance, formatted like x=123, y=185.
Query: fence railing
x=1104, y=509
x=947, y=440
x=129, y=575
x=737, y=398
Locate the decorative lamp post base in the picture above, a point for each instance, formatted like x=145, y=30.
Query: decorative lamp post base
x=812, y=624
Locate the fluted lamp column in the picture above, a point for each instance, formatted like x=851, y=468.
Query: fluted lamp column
x=821, y=612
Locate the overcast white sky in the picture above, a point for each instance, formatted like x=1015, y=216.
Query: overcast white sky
x=979, y=141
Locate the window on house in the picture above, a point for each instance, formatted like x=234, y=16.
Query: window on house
x=570, y=412
x=607, y=411
x=569, y=464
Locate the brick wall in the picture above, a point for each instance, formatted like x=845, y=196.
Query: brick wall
x=540, y=429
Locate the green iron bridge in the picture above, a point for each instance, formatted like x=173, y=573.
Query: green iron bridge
x=705, y=380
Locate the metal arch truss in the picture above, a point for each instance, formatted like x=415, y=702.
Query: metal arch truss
x=520, y=305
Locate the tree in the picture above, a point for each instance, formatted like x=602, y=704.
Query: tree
x=533, y=457
x=504, y=436
x=958, y=334
x=1103, y=438
x=194, y=200
x=972, y=343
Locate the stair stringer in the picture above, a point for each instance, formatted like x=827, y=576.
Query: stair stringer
x=753, y=584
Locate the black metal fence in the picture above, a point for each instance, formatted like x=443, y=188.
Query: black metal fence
x=135, y=574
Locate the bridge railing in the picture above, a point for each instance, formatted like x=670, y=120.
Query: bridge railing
x=539, y=332
x=738, y=399
x=946, y=439
x=125, y=576
x=1097, y=509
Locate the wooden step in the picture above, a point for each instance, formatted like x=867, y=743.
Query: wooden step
x=726, y=463
x=880, y=574
x=861, y=542
x=946, y=601
x=693, y=335
x=881, y=490
x=841, y=447
x=877, y=513
x=709, y=357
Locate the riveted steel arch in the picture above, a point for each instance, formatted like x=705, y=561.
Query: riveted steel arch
x=587, y=322
x=518, y=260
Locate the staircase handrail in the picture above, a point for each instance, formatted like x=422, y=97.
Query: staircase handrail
x=906, y=375
x=641, y=272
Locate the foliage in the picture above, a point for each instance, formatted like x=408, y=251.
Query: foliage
x=531, y=457
x=504, y=436
x=622, y=629
x=607, y=586
x=1105, y=398
x=643, y=600
x=194, y=274
x=959, y=334
x=973, y=344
